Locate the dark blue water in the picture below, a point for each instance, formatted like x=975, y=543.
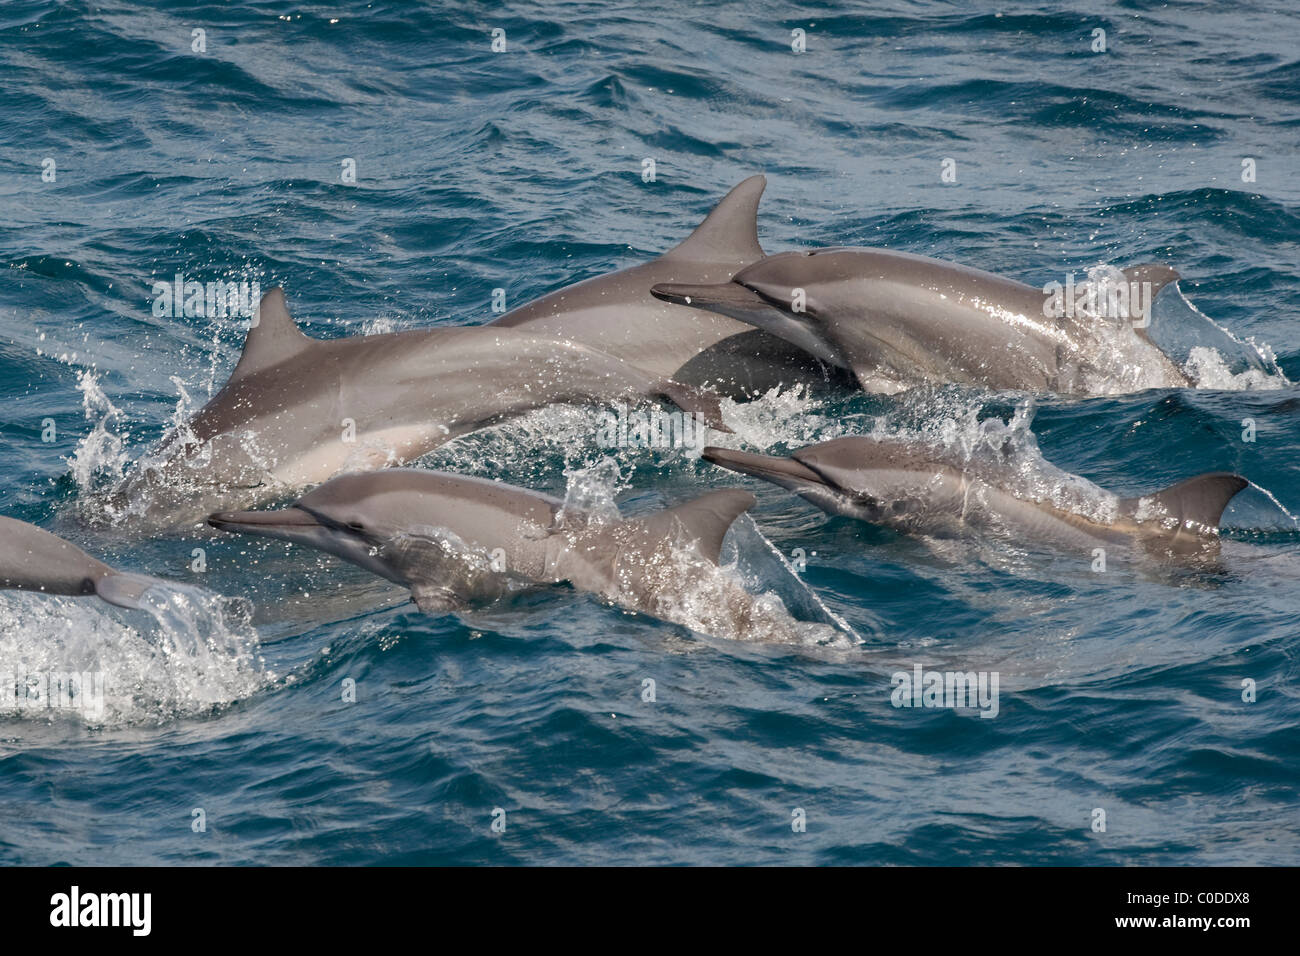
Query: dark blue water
x=1120, y=691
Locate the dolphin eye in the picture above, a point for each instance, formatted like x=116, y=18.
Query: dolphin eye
x=356, y=526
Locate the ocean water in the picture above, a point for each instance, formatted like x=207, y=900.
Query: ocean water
x=522, y=170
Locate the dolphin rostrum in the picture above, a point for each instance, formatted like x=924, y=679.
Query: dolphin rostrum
x=897, y=320
x=918, y=488
x=617, y=314
x=454, y=539
x=32, y=559
x=298, y=410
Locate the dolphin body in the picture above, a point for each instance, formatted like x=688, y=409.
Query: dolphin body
x=896, y=320
x=454, y=539
x=32, y=559
x=617, y=314
x=916, y=488
x=298, y=410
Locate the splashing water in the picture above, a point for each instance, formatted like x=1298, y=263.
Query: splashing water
x=1208, y=369
x=779, y=416
x=101, y=456
x=677, y=584
x=185, y=653
x=590, y=492
x=1210, y=355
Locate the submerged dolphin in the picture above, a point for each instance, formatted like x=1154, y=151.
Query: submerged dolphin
x=617, y=314
x=917, y=488
x=298, y=410
x=32, y=559
x=453, y=539
x=897, y=320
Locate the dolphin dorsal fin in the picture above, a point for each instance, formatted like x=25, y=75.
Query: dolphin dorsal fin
x=1157, y=273
x=273, y=339
x=1200, y=500
x=730, y=232
x=706, y=518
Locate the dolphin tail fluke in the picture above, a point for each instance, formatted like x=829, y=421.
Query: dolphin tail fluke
x=699, y=401
x=124, y=589
x=1199, y=501
x=730, y=232
x=705, y=519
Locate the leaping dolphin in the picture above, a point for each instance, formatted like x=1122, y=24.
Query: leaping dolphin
x=299, y=410
x=453, y=539
x=897, y=320
x=32, y=559
x=916, y=488
x=617, y=314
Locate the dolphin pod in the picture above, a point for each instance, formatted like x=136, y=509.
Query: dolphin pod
x=713, y=316
x=32, y=559
x=896, y=320
x=915, y=488
x=422, y=528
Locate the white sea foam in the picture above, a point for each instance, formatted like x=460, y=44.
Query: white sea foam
x=101, y=456
x=186, y=652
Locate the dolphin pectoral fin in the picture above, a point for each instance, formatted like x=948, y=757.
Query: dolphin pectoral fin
x=1196, y=504
x=123, y=589
x=434, y=600
x=272, y=339
x=705, y=519
x=697, y=400
x=730, y=232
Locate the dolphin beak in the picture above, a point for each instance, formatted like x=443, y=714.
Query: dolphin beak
x=745, y=305
x=264, y=522
x=785, y=472
x=722, y=297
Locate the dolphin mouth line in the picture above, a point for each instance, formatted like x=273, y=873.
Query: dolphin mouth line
x=260, y=522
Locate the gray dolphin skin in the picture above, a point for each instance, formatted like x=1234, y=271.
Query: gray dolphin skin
x=897, y=320
x=299, y=410
x=33, y=559
x=453, y=539
x=915, y=488
x=617, y=314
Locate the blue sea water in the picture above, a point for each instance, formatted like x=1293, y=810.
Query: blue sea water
x=476, y=170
